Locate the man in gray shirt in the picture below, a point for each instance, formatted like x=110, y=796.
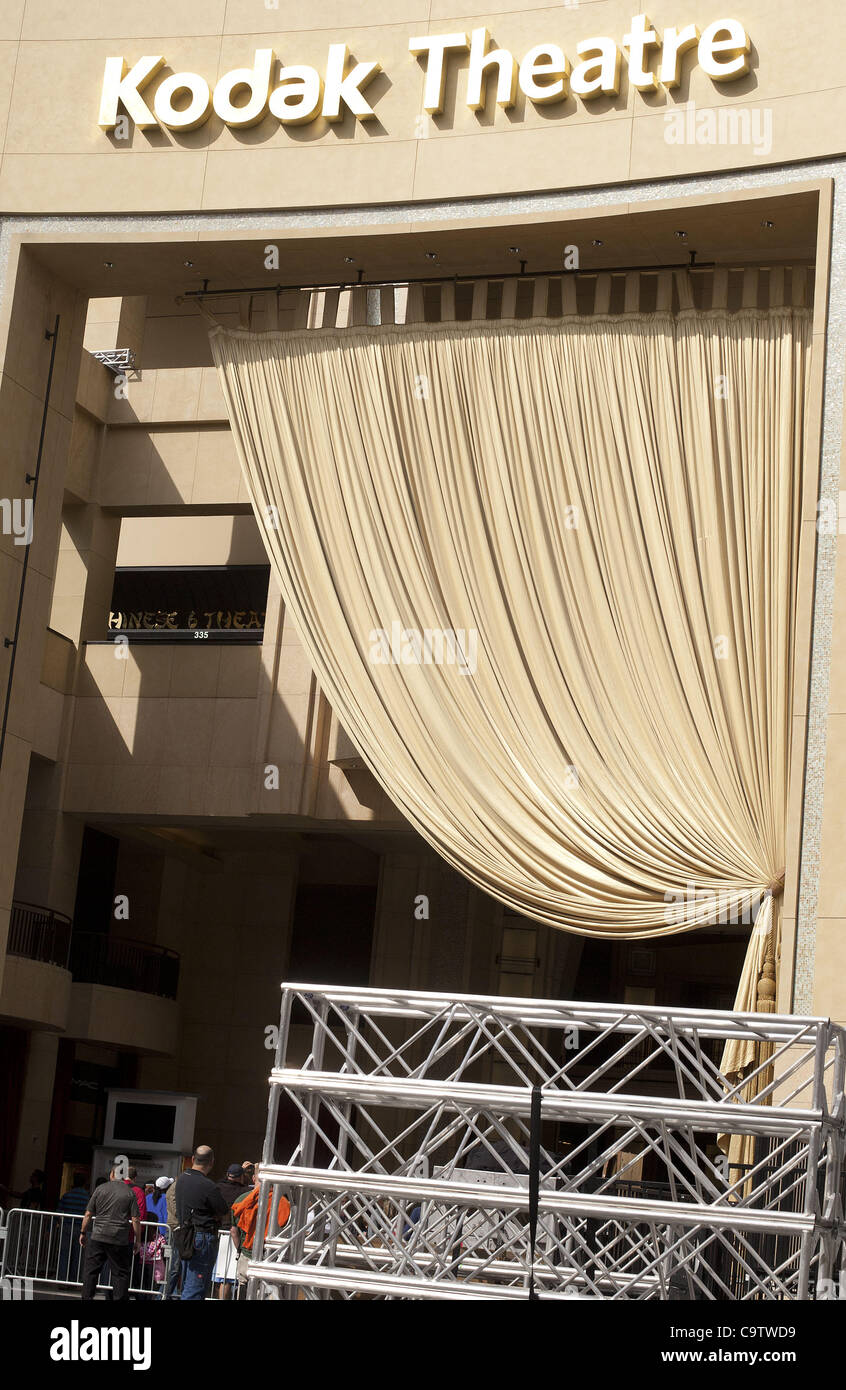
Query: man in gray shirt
x=113, y=1208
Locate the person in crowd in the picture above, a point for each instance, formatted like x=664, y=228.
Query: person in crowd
x=230, y=1188
x=109, y=1209
x=200, y=1205
x=132, y=1180
x=39, y=1233
x=249, y=1170
x=75, y=1200
x=33, y=1198
x=242, y=1231
x=154, y=1236
x=242, y=1228
x=157, y=1204
x=174, y=1282
x=72, y=1205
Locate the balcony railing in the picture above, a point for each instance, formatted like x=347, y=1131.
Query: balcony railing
x=38, y=933
x=98, y=959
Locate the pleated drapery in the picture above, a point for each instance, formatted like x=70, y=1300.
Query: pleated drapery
x=745, y=1062
x=545, y=572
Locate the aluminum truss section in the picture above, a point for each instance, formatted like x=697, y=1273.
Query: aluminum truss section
x=118, y=360
x=410, y=1175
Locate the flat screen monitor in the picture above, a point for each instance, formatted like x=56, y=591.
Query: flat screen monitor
x=144, y=1122
x=157, y=1120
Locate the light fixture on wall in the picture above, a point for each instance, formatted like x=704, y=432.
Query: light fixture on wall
x=767, y=224
x=597, y=242
x=110, y=265
x=682, y=236
x=431, y=255
x=189, y=265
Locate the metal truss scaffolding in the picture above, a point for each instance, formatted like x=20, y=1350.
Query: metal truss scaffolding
x=412, y=1173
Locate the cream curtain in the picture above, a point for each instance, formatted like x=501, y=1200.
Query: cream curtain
x=545, y=572
x=745, y=1060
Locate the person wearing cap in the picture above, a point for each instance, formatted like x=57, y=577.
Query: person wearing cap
x=158, y=1236
x=157, y=1211
x=157, y=1205
x=230, y=1188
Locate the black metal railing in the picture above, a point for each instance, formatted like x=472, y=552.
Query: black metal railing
x=38, y=933
x=99, y=959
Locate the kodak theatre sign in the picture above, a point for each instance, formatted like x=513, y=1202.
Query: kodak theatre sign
x=297, y=94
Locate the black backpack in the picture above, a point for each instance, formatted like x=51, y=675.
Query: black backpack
x=183, y=1238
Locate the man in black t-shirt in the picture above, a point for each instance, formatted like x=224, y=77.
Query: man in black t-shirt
x=112, y=1207
x=198, y=1200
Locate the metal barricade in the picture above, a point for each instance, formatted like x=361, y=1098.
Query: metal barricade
x=43, y=1247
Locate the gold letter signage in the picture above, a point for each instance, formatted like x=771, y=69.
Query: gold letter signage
x=298, y=94
x=293, y=94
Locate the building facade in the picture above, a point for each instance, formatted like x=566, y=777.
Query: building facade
x=184, y=821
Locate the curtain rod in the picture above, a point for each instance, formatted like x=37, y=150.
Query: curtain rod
x=523, y=274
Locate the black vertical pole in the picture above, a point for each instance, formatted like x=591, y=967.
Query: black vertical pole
x=51, y=334
x=534, y=1181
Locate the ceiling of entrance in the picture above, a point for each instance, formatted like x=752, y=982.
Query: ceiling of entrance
x=746, y=231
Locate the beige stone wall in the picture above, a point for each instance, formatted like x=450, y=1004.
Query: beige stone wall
x=174, y=730
x=190, y=540
x=38, y=298
x=122, y=1018
x=35, y=994
x=829, y=996
x=56, y=157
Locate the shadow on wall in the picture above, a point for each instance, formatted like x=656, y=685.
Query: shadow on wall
x=205, y=728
